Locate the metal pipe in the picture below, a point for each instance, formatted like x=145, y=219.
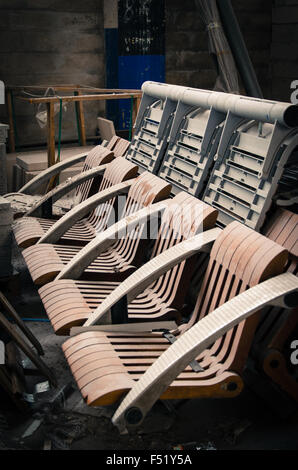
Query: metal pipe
x=250, y=108
x=238, y=47
x=163, y=90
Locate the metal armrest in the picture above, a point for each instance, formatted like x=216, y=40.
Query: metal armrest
x=64, y=188
x=281, y=290
x=75, y=214
x=149, y=272
x=45, y=175
x=104, y=240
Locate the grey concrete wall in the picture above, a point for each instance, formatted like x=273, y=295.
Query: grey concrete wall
x=51, y=42
x=187, y=59
x=6, y=219
x=284, y=48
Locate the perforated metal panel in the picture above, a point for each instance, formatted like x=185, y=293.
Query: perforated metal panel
x=247, y=172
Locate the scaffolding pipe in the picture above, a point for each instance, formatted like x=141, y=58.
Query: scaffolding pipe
x=247, y=107
x=163, y=90
x=238, y=47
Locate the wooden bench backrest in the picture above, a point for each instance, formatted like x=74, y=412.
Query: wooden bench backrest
x=276, y=324
x=118, y=170
x=184, y=217
x=100, y=155
x=97, y=156
x=240, y=259
x=147, y=189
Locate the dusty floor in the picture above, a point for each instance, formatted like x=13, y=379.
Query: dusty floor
x=247, y=422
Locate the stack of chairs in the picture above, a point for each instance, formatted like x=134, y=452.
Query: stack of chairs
x=27, y=200
x=221, y=157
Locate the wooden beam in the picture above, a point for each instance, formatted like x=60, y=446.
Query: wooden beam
x=81, y=119
x=72, y=88
x=65, y=99
x=50, y=133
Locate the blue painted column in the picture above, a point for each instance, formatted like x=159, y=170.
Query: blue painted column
x=140, y=48
x=111, y=55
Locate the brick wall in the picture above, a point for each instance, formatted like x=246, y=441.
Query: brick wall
x=63, y=42
x=284, y=50
x=51, y=42
x=187, y=59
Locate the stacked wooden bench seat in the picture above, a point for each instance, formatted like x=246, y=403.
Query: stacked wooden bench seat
x=107, y=364
x=27, y=197
x=277, y=328
x=201, y=116
x=29, y=230
x=69, y=302
x=22, y=231
x=250, y=147
x=239, y=186
x=46, y=260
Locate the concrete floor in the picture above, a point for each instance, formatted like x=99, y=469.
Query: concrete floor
x=246, y=422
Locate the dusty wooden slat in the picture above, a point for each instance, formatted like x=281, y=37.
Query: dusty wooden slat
x=123, y=255
x=50, y=133
x=197, y=339
x=277, y=324
x=138, y=281
x=95, y=164
x=235, y=257
x=186, y=215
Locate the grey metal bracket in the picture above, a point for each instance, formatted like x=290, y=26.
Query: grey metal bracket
x=194, y=363
x=249, y=164
x=215, y=119
x=193, y=141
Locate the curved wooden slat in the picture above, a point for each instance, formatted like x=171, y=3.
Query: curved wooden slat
x=123, y=255
x=166, y=283
x=233, y=268
x=115, y=173
x=149, y=272
x=160, y=375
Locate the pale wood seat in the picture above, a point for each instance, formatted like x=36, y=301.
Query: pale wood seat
x=278, y=327
x=69, y=302
x=29, y=230
x=45, y=261
x=106, y=365
x=29, y=196
x=118, y=147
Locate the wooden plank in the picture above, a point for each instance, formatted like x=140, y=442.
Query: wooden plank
x=81, y=119
x=51, y=133
x=71, y=88
x=99, y=97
